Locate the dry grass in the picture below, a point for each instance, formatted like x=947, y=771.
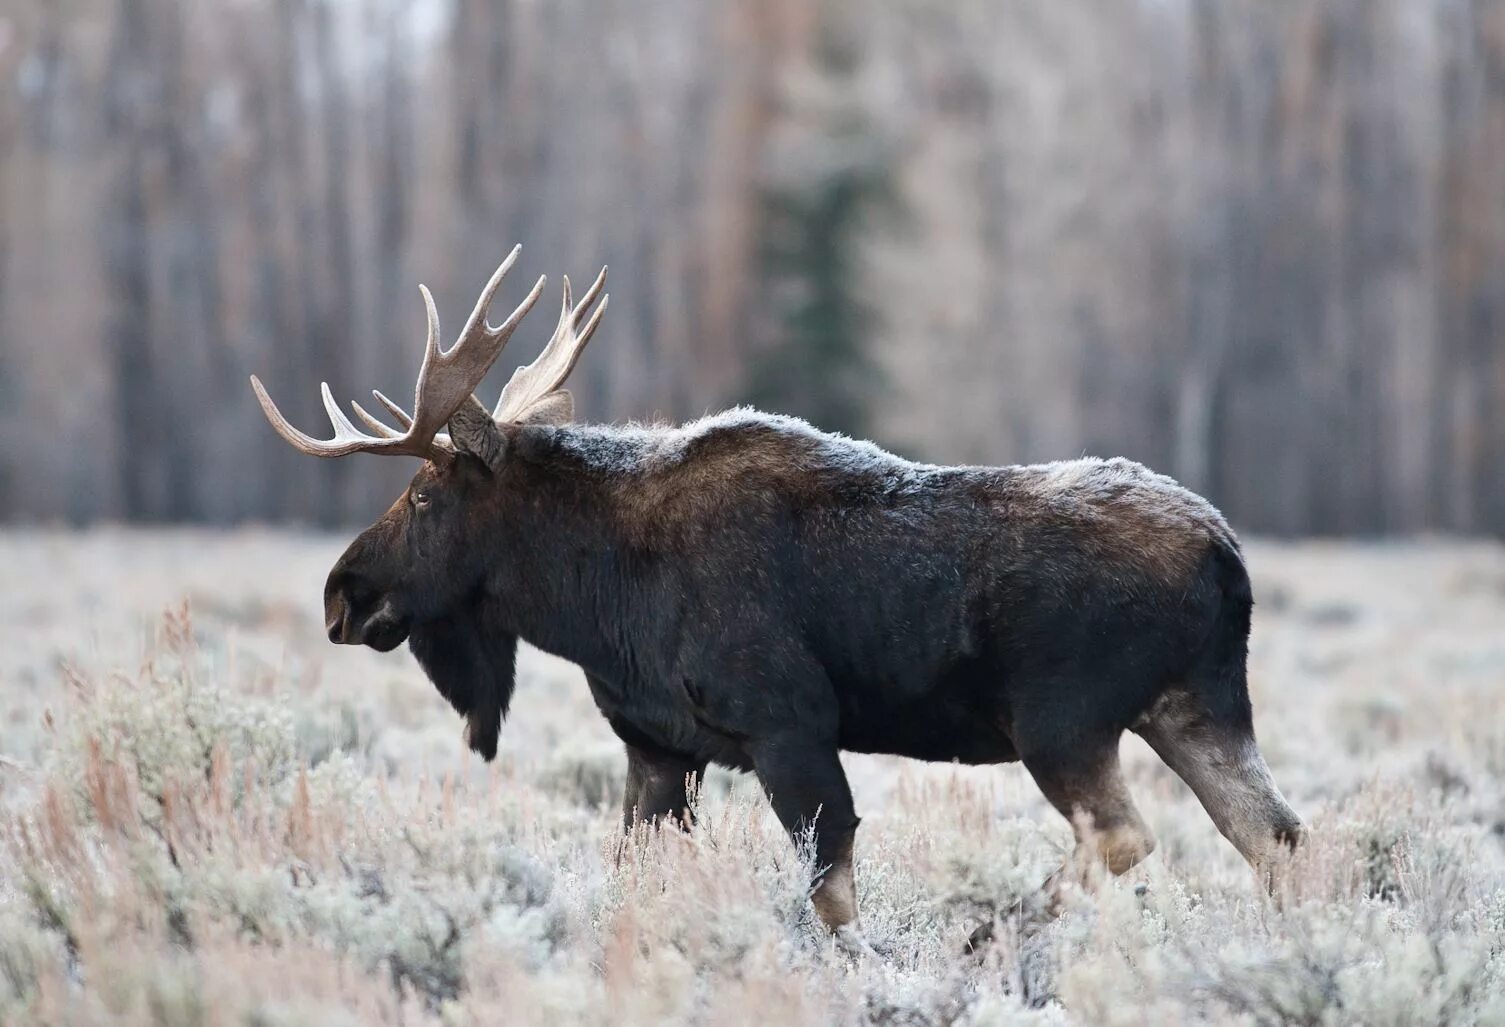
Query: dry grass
x=222, y=819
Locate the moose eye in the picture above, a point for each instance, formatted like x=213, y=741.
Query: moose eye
x=420, y=498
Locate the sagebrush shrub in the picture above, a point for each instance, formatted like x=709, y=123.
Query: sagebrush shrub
x=212, y=840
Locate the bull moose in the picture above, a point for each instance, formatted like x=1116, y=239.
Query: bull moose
x=749, y=591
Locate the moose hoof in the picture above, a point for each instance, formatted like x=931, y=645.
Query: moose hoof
x=850, y=942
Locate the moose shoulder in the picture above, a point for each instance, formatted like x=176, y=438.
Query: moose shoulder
x=749, y=591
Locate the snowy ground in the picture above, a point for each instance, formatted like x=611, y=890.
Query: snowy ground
x=166, y=857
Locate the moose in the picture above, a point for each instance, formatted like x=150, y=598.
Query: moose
x=749, y=591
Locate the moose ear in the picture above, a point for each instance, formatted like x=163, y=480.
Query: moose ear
x=558, y=407
x=473, y=431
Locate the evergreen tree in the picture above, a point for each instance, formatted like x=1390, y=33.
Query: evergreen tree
x=814, y=215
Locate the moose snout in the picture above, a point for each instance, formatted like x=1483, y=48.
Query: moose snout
x=372, y=620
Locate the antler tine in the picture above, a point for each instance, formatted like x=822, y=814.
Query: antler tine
x=342, y=426
x=392, y=408
x=549, y=371
x=590, y=326
x=386, y=431
x=301, y=442
x=566, y=306
x=431, y=350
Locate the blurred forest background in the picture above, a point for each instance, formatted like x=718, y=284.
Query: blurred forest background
x=1258, y=245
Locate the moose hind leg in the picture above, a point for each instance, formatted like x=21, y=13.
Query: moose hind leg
x=1085, y=784
x=1218, y=759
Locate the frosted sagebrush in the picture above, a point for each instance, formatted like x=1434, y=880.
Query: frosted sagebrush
x=397, y=881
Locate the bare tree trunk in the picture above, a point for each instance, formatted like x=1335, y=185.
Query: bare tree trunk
x=334, y=338
x=128, y=256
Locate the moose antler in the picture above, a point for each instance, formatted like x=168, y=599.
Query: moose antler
x=546, y=374
x=445, y=380
x=533, y=382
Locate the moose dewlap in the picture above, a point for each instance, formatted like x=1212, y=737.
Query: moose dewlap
x=749, y=591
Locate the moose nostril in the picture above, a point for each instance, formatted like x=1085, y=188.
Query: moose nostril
x=336, y=618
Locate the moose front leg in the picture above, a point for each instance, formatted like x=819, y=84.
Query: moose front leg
x=658, y=788
x=808, y=788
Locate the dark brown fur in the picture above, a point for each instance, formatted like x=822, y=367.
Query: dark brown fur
x=751, y=592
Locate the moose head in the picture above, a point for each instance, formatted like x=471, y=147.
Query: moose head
x=412, y=576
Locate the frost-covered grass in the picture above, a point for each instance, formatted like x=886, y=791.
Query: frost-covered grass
x=210, y=815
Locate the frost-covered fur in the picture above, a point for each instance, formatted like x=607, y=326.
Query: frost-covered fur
x=634, y=448
x=1089, y=482
x=1120, y=498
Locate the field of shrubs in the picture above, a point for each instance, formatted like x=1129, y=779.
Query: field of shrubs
x=210, y=815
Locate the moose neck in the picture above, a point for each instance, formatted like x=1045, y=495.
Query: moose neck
x=556, y=573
